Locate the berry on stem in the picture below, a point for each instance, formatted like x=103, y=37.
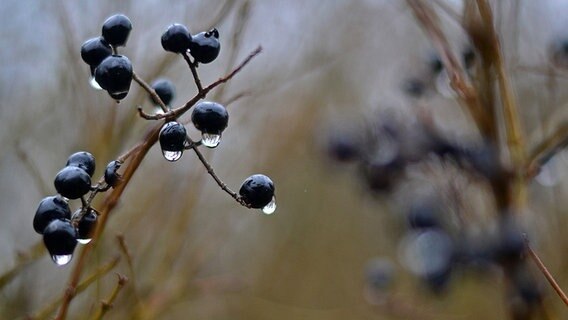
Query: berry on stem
x=86, y=226
x=114, y=75
x=112, y=177
x=60, y=239
x=49, y=209
x=72, y=182
x=116, y=30
x=95, y=50
x=173, y=138
x=257, y=191
x=211, y=119
x=165, y=90
x=176, y=38
x=205, y=46
x=83, y=160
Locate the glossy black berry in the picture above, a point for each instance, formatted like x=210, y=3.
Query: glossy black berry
x=72, y=182
x=49, y=209
x=95, y=50
x=210, y=117
x=165, y=90
x=60, y=238
x=86, y=225
x=257, y=191
x=112, y=177
x=205, y=46
x=173, y=136
x=114, y=75
x=176, y=38
x=116, y=30
x=83, y=160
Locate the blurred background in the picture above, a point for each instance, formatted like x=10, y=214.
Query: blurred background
x=327, y=70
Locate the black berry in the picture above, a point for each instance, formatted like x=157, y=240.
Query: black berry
x=422, y=216
x=49, y=209
x=60, y=238
x=257, y=191
x=72, y=182
x=112, y=177
x=176, y=38
x=94, y=51
x=116, y=30
x=86, y=226
x=114, y=75
x=83, y=160
x=205, y=46
x=210, y=117
x=173, y=136
x=165, y=90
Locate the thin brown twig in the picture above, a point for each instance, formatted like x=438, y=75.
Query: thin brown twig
x=35, y=252
x=173, y=114
x=50, y=308
x=106, y=305
x=193, y=67
x=549, y=147
x=458, y=80
x=151, y=91
x=126, y=252
x=511, y=113
x=546, y=273
x=139, y=153
x=219, y=182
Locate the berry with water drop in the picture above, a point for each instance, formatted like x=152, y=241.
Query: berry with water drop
x=72, y=182
x=210, y=117
x=205, y=46
x=176, y=38
x=116, y=30
x=257, y=191
x=60, y=238
x=112, y=177
x=49, y=209
x=86, y=226
x=165, y=90
x=172, y=140
x=83, y=160
x=114, y=75
x=94, y=51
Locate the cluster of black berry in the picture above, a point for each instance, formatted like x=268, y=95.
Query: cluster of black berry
x=109, y=70
x=112, y=72
x=62, y=230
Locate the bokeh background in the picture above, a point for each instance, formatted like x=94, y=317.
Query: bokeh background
x=325, y=67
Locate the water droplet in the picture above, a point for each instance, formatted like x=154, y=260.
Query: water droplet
x=443, y=86
x=172, y=155
x=270, y=207
x=210, y=140
x=61, y=260
x=84, y=241
x=95, y=84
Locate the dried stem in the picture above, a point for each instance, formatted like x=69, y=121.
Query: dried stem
x=458, y=80
x=138, y=154
x=193, y=67
x=510, y=110
x=107, y=304
x=549, y=147
x=546, y=273
x=124, y=249
x=220, y=183
x=150, y=91
x=78, y=289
